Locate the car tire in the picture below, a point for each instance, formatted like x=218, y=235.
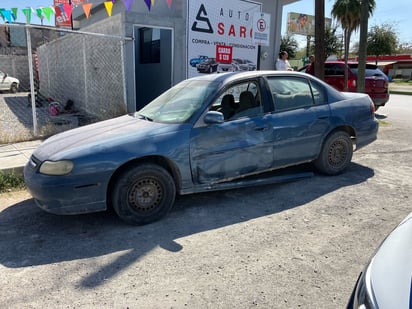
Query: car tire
x=336, y=154
x=143, y=194
x=13, y=88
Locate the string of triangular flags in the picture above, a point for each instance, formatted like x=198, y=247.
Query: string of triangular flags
x=10, y=15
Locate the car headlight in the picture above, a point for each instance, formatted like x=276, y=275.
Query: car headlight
x=56, y=167
x=364, y=297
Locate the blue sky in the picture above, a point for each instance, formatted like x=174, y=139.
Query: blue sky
x=396, y=12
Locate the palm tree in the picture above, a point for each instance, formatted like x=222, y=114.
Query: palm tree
x=348, y=13
x=367, y=8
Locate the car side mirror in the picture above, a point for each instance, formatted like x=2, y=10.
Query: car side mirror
x=213, y=117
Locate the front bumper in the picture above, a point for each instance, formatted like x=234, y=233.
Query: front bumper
x=65, y=195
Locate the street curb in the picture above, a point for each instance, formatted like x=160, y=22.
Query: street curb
x=16, y=171
x=400, y=92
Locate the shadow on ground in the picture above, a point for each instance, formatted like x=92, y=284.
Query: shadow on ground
x=32, y=237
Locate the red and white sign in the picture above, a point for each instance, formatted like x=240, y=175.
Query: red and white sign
x=61, y=18
x=224, y=53
x=261, y=29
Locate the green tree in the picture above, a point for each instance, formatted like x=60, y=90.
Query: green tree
x=290, y=45
x=382, y=40
x=348, y=14
x=333, y=43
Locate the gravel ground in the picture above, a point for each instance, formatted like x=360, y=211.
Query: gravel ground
x=295, y=245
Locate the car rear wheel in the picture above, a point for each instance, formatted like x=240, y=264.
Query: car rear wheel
x=143, y=194
x=336, y=154
x=13, y=88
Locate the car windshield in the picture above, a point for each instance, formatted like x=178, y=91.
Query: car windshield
x=179, y=103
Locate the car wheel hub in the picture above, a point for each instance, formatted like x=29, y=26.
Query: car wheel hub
x=337, y=153
x=145, y=195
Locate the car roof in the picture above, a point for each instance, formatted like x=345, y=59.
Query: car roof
x=232, y=76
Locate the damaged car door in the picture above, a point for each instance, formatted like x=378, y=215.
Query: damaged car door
x=240, y=144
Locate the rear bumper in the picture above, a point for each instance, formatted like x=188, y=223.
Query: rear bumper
x=367, y=134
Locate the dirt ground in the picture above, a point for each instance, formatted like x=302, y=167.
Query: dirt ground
x=295, y=245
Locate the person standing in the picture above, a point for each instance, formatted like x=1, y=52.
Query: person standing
x=310, y=68
x=282, y=64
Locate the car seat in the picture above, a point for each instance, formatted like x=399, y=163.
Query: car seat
x=246, y=101
x=228, y=106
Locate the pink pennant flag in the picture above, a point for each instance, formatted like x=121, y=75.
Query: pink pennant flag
x=128, y=4
x=68, y=10
x=169, y=3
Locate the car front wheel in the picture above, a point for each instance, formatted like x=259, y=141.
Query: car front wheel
x=336, y=154
x=143, y=194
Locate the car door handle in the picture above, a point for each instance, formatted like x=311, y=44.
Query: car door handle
x=323, y=117
x=261, y=129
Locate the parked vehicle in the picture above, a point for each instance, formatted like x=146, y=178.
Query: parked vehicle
x=227, y=67
x=386, y=281
x=376, y=82
x=195, y=61
x=245, y=65
x=8, y=83
x=206, y=133
x=207, y=66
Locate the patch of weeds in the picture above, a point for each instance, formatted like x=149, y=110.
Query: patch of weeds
x=383, y=122
x=10, y=182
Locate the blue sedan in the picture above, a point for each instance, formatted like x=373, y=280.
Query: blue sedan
x=206, y=133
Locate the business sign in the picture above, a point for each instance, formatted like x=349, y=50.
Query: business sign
x=298, y=23
x=62, y=19
x=261, y=28
x=214, y=23
x=224, y=54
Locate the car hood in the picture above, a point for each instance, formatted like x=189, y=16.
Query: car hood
x=391, y=268
x=12, y=79
x=101, y=135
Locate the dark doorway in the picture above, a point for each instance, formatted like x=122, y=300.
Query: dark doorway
x=153, y=59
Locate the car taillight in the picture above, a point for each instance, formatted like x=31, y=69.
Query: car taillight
x=372, y=108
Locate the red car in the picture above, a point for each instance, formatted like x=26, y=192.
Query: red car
x=376, y=82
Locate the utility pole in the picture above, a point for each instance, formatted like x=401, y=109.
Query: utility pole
x=363, y=37
x=320, y=39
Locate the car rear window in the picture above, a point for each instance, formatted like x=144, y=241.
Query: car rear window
x=334, y=69
x=371, y=70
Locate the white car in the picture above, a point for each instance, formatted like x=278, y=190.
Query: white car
x=227, y=67
x=8, y=83
x=386, y=281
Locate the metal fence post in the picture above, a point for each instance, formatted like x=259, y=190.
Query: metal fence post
x=33, y=95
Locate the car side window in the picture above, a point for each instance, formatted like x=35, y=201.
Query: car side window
x=318, y=93
x=290, y=93
x=240, y=100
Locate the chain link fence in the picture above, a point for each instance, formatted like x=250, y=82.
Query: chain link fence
x=79, y=73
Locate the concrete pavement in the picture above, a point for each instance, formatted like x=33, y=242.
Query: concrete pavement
x=13, y=157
